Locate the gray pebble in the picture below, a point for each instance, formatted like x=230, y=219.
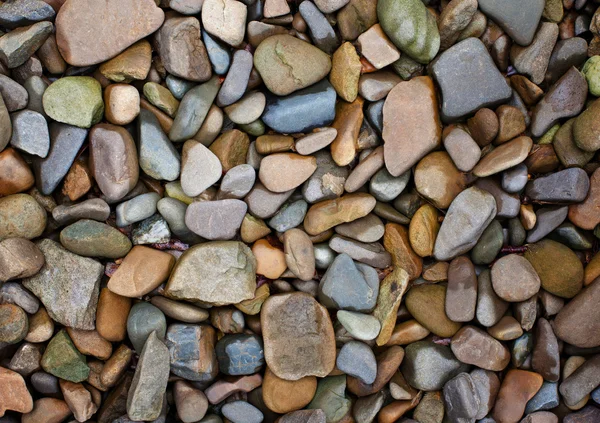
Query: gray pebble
x=242, y=412
x=144, y=318
x=385, y=187
x=289, y=216
x=137, y=209
x=515, y=178
x=30, y=133
x=357, y=359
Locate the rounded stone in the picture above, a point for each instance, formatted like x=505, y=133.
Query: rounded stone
x=514, y=278
x=282, y=396
x=76, y=100
x=21, y=217
x=426, y=303
x=283, y=172
x=357, y=359
x=143, y=320
x=94, y=239
x=13, y=324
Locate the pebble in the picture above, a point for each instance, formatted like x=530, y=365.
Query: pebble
x=585, y=130
x=19, y=258
x=297, y=169
x=520, y=26
x=472, y=345
x=463, y=150
x=461, y=294
x=533, y=59
x=566, y=53
x=48, y=409
x=428, y=366
x=13, y=15
x=21, y=217
x=570, y=91
x=289, y=216
x=193, y=110
x=426, y=303
x=582, y=215
x=113, y=160
x=545, y=355
x=461, y=398
x=248, y=109
x=473, y=205
x=14, y=326
x=192, y=351
x=566, y=186
x=146, y=395
x=225, y=20
x=331, y=398
x=137, y=209
x=283, y=396
x=240, y=354
x=14, y=393
x=514, y=279
x=345, y=72
x=360, y=326
x=216, y=220
x=30, y=133
x=357, y=360
x=200, y=274
x=132, y=64
x=15, y=97
x=94, y=209
x=480, y=85
x=438, y=180
x=567, y=324
x=307, y=109
x=546, y=398
x=157, y=156
x=241, y=411
x=94, y=239
x=319, y=28
x=306, y=338
x=74, y=100
x=200, y=168
x=122, y=104
x=144, y=319
x=175, y=39
x=237, y=182
x=62, y=359
x=504, y=157
x=236, y=81
x=17, y=46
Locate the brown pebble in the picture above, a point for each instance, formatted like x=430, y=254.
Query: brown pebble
x=111, y=315
x=518, y=387
x=484, y=126
x=15, y=174
x=282, y=396
x=89, y=342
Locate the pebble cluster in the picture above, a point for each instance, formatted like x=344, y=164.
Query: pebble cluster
x=299, y=211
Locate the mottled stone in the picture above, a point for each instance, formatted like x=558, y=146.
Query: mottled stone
x=192, y=351
x=240, y=354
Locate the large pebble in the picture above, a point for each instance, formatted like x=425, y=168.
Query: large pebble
x=216, y=220
x=283, y=172
x=157, y=155
x=200, y=168
x=75, y=100
x=577, y=322
x=94, y=239
x=225, y=20
x=21, y=217
x=566, y=186
x=472, y=345
x=426, y=303
x=514, y=279
x=520, y=24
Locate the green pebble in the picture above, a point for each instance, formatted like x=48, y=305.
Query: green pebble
x=548, y=137
x=591, y=71
x=63, y=360
x=256, y=128
x=94, y=239
x=75, y=100
x=489, y=245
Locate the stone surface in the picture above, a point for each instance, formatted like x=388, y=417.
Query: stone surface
x=504, y=157
x=193, y=110
x=94, y=239
x=65, y=272
x=469, y=214
x=476, y=88
x=75, y=100
x=225, y=20
x=518, y=387
x=514, y=278
x=230, y=281
x=519, y=26
x=192, y=351
x=566, y=186
x=472, y=345
x=216, y=220
x=78, y=29
x=426, y=303
x=21, y=217
x=410, y=112
x=240, y=354
x=575, y=323
x=533, y=59
x=297, y=344
x=14, y=393
x=62, y=359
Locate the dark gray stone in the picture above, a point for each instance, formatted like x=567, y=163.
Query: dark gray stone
x=65, y=143
x=14, y=94
x=469, y=80
x=572, y=236
x=519, y=22
x=320, y=29
x=461, y=398
x=240, y=354
x=357, y=359
x=304, y=110
x=289, y=216
x=144, y=319
x=547, y=219
x=566, y=53
x=236, y=81
x=507, y=205
x=372, y=254
x=564, y=187
x=16, y=13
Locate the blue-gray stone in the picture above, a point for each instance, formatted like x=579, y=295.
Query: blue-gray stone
x=30, y=133
x=65, y=142
x=515, y=178
x=567, y=186
x=218, y=53
x=179, y=86
x=347, y=285
x=157, y=156
x=320, y=29
x=236, y=81
x=144, y=318
x=357, y=359
x=242, y=412
x=385, y=187
x=596, y=395
x=469, y=80
x=519, y=22
x=192, y=358
x=16, y=13
x=289, y=216
x=572, y=236
x=240, y=354
x=374, y=114
x=545, y=399
x=547, y=219
x=302, y=111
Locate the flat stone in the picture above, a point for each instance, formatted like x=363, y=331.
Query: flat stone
x=283, y=396
x=200, y=168
x=487, y=385
x=137, y=209
x=360, y=326
x=476, y=87
x=461, y=294
x=331, y=398
x=299, y=254
x=518, y=387
x=242, y=411
x=307, y=338
x=428, y=366
x=546, y=398
x=78, y=29
x=236, y=81
x=461, y=398
x=132, y=64
x=567, y=151
x=30, y=133
x=348, y=120
x=533, y=59
x=297, y=170
x=426, y=303
x=576, y=319
x=289, y=216
x=231, y=148
x=192, y=351
x=547, y=219
x=504, y=157
x=16, y=14
x=15, y=173
x=19, y=258
x=489, y=245
x=320, y=29
x=94, y=209
x=565, y=99
x=94, y=239
x=327, y=182
x=348, y=285
x=490, y=307
x=515, y=179
x=327, y=214
x=304, y=416
x=147, y=392
x=581, y=382
x=586, y=132
x=196, y=277
x=463, y=150
x=193, y=110
x=472, y=345
x=157, y=155
x=67, y=272
x=15, y=97
x=375, y=86
x=225, y=20
x=65, y=142
x=438, y=180
x=514, y=278
x=307, y=109
x=176, y=37
x=75, y=100
x=62, y=359
x=545, y=356
x=14, y=325
x=216, y=220
x=14, y=393
x=454, y=238
x=510, y=16
x=21, y=217
x=17, y=46
x=366, y=229
x=113, y=160
x=263, y=203
x=248, y=109
x=410, y=112
x=218, y=53
x=357, y=359
x=566, y=186
x=237, y=183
